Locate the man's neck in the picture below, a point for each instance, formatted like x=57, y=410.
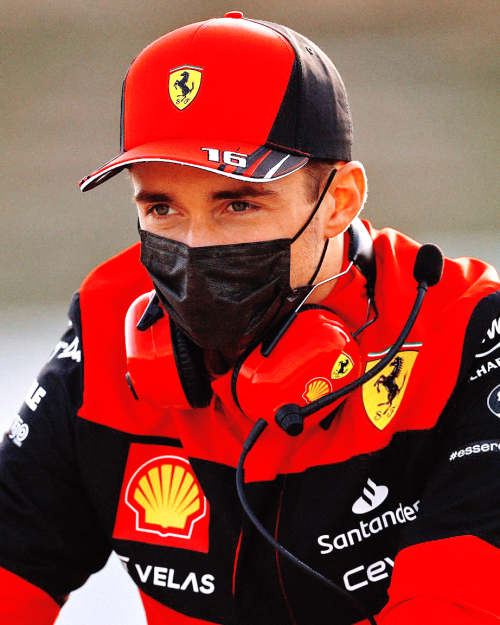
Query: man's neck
x=332, y=266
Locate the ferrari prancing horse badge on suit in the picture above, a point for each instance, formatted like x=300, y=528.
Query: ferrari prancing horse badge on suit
x=383, y=394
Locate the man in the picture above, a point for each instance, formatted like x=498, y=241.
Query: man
x=253, y=271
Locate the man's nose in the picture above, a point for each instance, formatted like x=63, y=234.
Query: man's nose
x=202, y=232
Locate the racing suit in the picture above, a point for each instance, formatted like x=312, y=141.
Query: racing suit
x=396, y=500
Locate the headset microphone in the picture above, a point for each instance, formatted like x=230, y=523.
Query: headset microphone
x=427, y=272
x=428, y=267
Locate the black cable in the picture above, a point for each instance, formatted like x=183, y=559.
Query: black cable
x=257, y=430
x=369, y=322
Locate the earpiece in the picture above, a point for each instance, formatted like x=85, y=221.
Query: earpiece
x=164, y=367
x=315, y=356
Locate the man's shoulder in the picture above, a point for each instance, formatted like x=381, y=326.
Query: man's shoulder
x=122, y=273
x=108, y=291
x=462, y=277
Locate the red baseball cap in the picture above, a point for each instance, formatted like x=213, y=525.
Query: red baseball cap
x=246, y=99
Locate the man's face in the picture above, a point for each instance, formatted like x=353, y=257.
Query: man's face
x=200, y=208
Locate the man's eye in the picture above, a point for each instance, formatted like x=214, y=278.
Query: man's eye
x=239, y=207
x=160, y=209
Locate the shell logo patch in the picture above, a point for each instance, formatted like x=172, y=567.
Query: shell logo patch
x=342, y=367
x=383, y=394
x=165, y=496
x=161, y=500
x=316, y=388
x=183, y=85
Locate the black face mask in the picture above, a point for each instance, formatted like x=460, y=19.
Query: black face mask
x=225, y=297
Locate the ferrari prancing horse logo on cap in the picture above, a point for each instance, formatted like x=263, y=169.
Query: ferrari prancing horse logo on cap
x=183, y=85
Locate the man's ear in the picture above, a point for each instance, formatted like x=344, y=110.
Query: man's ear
x=348, y=192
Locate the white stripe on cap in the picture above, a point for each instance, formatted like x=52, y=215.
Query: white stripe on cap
x=276, y=167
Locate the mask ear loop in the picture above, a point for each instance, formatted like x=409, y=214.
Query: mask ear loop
x=310, y=218
x=266, y=350
x=318, y=204
x=338, y=275
x=323, y=254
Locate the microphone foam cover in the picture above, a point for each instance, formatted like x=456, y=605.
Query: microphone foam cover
x=428, y=265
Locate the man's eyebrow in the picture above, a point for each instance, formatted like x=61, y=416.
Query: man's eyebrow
x=249, y=190
x=152, y=197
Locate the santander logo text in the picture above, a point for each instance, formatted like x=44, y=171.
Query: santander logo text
x=371, y=498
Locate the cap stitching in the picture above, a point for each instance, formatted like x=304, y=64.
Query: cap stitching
x=290, y=49
x=287, y=148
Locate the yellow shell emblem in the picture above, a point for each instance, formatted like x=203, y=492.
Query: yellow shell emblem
x=183, y=85
x=166, y=497
x=342, y=367
x=319, y=387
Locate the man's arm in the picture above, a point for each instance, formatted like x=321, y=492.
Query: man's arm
x=51, y=537
x=448, y=568
x=453, y=581
x=22, y=603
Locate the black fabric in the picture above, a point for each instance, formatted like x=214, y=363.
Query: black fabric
x=51, y=533
x=314, y=117
x=191, y=368
x=467, y=443
x=223, y=295
x=483, y=331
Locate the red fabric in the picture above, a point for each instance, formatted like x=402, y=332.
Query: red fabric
x=150, y=116
x=446, y=582
x=106, y=397
x=158, y=614
x=25, y=604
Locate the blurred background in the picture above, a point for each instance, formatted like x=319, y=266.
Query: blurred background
x=424, y=85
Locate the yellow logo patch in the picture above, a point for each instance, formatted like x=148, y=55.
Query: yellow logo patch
x=161, y=502
x=183, y=85
x=383, y=394
x=316, y=388
x=166, y=497
x=342, y=367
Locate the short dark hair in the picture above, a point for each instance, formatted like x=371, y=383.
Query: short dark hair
x=317, y=171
